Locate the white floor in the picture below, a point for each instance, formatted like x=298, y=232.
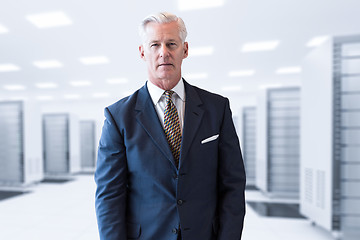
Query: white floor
x=66, y=211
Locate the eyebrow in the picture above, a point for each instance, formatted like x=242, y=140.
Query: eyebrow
x=169, y=40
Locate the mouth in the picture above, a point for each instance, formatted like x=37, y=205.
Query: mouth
x=165, y=65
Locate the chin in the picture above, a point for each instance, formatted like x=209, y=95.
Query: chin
x=166, y=77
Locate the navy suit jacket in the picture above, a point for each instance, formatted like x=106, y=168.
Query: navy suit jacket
x=140, y=192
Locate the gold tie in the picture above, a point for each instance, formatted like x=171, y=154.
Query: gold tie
x=172, y=126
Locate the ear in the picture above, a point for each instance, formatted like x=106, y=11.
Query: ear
x=186, y=49
x=141, y=51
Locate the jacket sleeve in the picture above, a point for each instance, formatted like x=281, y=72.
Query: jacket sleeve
x=231, y=181
x=110, y=178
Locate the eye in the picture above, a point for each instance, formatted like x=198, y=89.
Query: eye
x=172, y=44
x=154, y=45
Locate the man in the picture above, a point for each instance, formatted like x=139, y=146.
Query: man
x=169, y=163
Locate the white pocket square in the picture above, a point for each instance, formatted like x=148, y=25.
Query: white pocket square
x=210, y=139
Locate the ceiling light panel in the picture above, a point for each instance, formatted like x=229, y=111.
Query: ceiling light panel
x=274, y=85
x=47, y=64
x=127, y=93
x=46, y=85
x=72, y=96
x=8, y=67
x=201, y=51
x=80, y=83
x=101, y=95
x=196, y=76
x=94, y=60
x=45, y=98
x=317, y=41
x=49, y=19
x=3, y=29
x=117, y=80
x=14, y=87
x=242, y=73
x=288, y=70
x=232, y=88
x=18, y=98
x=260, y=46
x=185, y=5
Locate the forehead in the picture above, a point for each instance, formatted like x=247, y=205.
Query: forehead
x=162, y=31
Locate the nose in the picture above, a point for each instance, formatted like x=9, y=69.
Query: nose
x=164, y=51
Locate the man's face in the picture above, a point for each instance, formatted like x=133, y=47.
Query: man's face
x=163, y=52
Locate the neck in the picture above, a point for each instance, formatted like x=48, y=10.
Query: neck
x=165, y=84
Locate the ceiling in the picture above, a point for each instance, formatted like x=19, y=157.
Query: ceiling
x=109, y=28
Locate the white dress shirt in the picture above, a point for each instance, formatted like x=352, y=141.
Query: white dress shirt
x=178, y=98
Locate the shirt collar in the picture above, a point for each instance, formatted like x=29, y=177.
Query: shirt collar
x=156, y=92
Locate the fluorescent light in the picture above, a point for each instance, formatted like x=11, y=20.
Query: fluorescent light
x=288, y=70
x=14, y=87
x=17, y=98
x=9, y=67
x=201, y=51
x=49, y=19
x=48, y=64
x=127, y=93
x=80, y=83
x=3, y=29
x=232, y=88
x=101, y=95
x=72, y=96
x=317, y=41
x=46, y=85
x=185, y=5
x=241, y=73
x=44, y=98
x=274, y=85
x=117, y=80
x=94, y=60
x=196, y=75
x=259, y=46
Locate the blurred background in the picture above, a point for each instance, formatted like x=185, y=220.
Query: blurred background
x=291, y=70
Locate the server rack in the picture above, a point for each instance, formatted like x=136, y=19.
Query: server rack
x=278, y=140
x=346, y=144
x=61, y=144
x=87, y=143
x=20, y=143
x=249, y=143
x=331, y=187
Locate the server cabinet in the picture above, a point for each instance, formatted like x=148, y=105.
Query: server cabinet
x=61, y=144
x=20, y=143
x=87, y=145
x=249, y=143
x=278, y=138
x=330, y=171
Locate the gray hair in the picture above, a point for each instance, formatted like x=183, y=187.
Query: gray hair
x=163, y=17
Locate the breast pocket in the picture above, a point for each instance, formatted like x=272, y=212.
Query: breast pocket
x=210, y=139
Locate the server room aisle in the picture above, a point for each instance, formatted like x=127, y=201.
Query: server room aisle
x=65, y=210
x=51, y=210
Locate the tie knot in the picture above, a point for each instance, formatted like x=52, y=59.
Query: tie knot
x=168, y=94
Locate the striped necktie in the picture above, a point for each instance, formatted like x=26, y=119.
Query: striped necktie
x=172, y=126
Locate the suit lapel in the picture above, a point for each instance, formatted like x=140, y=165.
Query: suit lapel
x=193, y=117
x=149, y=120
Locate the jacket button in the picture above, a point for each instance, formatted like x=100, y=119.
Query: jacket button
x=175, y=176
x=180, y=202
x=174, y=230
